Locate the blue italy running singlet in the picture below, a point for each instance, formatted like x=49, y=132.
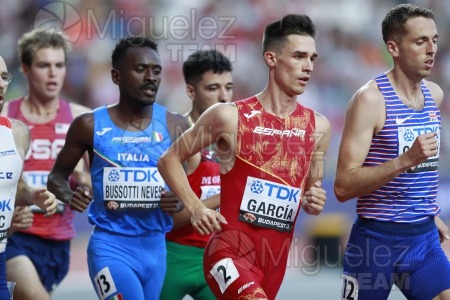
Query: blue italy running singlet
x=126, y=182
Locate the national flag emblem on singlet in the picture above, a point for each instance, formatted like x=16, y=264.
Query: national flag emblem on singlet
x=157, y=136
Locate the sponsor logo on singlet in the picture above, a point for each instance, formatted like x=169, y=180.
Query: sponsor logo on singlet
x=269, y=204
x=7, y=152
x=131, y=139
x=407, y=134
x=132, y=188
x=103, y=131
x=282, y=133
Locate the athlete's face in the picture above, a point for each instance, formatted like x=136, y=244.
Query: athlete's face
x=4, y=81
x=293, y=63
x=139, y=75
x=211, y=89
x=46, y=74
x=417, y=48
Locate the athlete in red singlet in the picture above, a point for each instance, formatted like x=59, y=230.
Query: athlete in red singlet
x=208, y=81
x=271, y=150
x=46, y=262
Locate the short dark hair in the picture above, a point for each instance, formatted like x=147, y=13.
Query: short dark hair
x=39, y=38
x=125, y=43
x=393, y=24
x=202, y=61
x=275, y=33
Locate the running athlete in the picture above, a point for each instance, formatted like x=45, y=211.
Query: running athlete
x=38, y=257
x=207, y=74
x=127, y=250
x=266, y=145
x=15, y=142
x=388, y=160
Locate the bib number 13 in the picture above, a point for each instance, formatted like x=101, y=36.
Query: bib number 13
x=104, y=284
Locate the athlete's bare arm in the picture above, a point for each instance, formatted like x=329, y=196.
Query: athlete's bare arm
x=438, y=96
x=365, y=117
x=176, y=125
x=79, y=140
x=315, y=196
x=183, y=217
x=81, y=173
x=436, y=92
x=218, y=124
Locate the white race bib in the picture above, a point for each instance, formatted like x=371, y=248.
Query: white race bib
x=269, y=204
x=407, y=134
x=132, y=188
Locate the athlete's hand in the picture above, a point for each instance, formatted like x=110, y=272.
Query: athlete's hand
x=21, y=219
x=442, y=228
x=314, y=199
x=424, y=146
x=170, y=203
x=45, y=201
x=81, y=199
x=204, y=220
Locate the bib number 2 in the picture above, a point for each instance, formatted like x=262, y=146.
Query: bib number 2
x=225, y=273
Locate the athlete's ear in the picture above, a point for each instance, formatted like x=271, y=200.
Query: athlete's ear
x=270, y=58
x=115, y=76
x=24, y=69
x=190, y=91
x=392, y=48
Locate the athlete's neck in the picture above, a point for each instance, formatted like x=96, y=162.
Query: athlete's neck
x=193, y=117
x=409, y=91
x=41, y=108
x=277, y=103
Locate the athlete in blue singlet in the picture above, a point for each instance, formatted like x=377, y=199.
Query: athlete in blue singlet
x=388, y=160
x=126, y=252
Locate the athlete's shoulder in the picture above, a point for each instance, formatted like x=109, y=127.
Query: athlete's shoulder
x=436, y=91
x=368, y=95
x=322, y=121
x=78, y=109
x=84, y=121
x=175, y=118
x=18, y=126
x=223, y=108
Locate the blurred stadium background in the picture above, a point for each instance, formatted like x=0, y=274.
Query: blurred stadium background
x=351, y=51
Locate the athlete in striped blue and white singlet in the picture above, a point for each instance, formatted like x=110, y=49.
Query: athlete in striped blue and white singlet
x=388, y=160
x=127, y=250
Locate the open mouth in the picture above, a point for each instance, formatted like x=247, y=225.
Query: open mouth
x=52, y=85
x=149, y=91
x=304, y=79
x=429, y=63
